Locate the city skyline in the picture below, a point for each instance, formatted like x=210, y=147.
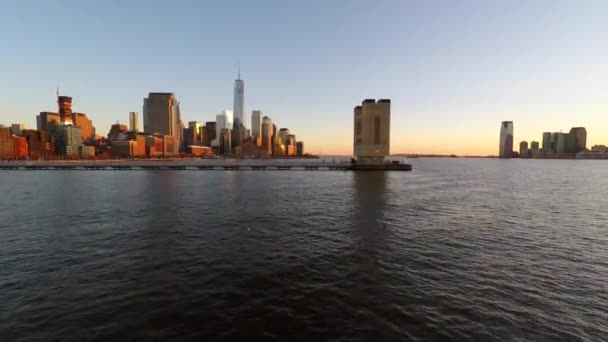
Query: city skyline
x=452, y=72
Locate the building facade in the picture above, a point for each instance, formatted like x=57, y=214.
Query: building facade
x=256, y=124
x=65, y=109
x=267, y=134
x=68, y=140
x=162, y=116
x=223, y=120
x=239, y=102
x=81, y=121
x=209, y=133
x=506, y=139
x=225, y=146
x=38, y=143
x=523, y=149
x=133, y=121
x=580, y=138
x=44, y=119
x=372, y=131
x=17, y=129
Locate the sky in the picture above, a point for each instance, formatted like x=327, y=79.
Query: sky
x=453, y=69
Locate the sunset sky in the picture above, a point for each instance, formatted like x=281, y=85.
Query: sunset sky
x=453, y=69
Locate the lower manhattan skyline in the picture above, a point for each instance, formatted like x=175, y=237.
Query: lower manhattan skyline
x=452, y=75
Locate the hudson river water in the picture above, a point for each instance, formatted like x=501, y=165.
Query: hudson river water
x=478, y=250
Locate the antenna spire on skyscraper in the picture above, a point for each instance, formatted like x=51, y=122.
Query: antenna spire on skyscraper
x=239, y=70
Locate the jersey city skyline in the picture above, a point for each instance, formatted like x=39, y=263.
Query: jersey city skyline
x=452, y=71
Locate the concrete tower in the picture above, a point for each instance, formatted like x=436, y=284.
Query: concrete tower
x=506, y=139
x=372, y=131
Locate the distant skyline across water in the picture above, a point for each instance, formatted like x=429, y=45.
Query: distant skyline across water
x=453, y=70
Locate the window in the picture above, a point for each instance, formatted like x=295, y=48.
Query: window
x=358, y=127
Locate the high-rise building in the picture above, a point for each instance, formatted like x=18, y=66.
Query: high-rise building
x=225, y=145
x=81, y=121
x=267, y=134
x=168, y=146
x=580, y=138
x=273, y=138
x=239, y=102
x=117, y=132
x=223, y=120
x=133, y=122
x=506, y=139
x=534, y=146
x=299, y=149
x=553, y=145
x=190, y=137
x=162, y=116
x=256, y=124
x=547, y=142
x=372, y=131
x=38, y=143
x=44, y=119
x=6, y=141
x=282, y=136
x=19, y=146
x=195, y=126
x=65, y=109
x=523, y=149
x=209, y=133
x=17, y=129
x=68, y=140
x=290, y=145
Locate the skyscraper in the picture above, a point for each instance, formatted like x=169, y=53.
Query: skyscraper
x=195, y=126
x=282, y=136
x=81, y=120
x=225, y=146
x=133, y=122
x=65, y=109
x=372, y=131
x=267, y=134
x=239, y=102
x=68, y=140
x=162, y=115
x=223, y=120
x=209, y=133
x=506, y=139
x=290, y=145
x=45, y=119
x=546, y=142
x=299, y=149
x=534, y=146
x=523, y=149
x=580, y=137
x=256, y=124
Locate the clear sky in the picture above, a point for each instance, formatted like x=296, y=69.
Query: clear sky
x=453, y=69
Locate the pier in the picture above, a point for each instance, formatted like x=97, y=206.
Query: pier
x=199, y=164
